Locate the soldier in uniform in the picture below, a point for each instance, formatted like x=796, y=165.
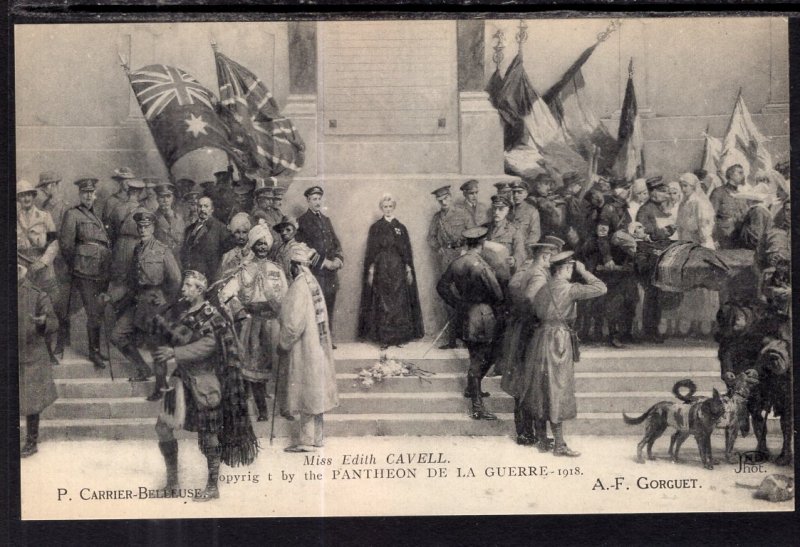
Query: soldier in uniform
x=470, y=286
x=108, y=200
x=730, y=211
x=36, y=319
x=479, y=212
x=205, y=389
x=37, y=248
x=525, y=216
x=51, y=201
x=186, y=205
x=263, y=198
x=615, y=209
x=123, y=231
x=170, y=227
x=153, y=279
x=502, y=231
x=243, y=203
x=86, y=249
x=551, y=216
x=260, y=286
x=281, y=252
x=316, y=230
x=503, y=189
x=445, y=239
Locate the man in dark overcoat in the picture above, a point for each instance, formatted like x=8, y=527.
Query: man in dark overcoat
x=205, y=241
x=316, y=230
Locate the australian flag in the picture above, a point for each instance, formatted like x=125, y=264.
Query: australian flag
x=270, y=141
x=179, y=111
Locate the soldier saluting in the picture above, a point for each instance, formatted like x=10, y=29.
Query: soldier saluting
x=86, y=249
x=470, y=286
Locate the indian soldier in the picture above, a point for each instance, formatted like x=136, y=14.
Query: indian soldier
x=52, y=203
x=153, y=280
x=260, y=287
x=307, y=367
x=525, y=216
x=730, y=211
x=186, y=205
x=123, y=231
x=170, y=227
x=37, y=248
x=523, y=288
x=478, y=212
x=281, y=252
x=501, y=230
x=205, y=388
x=445, y=239
x=471, y=288
x=109, y=199
x=553, y=350
x=316, y=230
x=86, y=248
x=35, y=319
x=239, y=226
x=206, y=240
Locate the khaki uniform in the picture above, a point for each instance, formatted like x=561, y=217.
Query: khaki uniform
x=444, y=234
x=507, y=234
x=170, y=230
x=526, y=219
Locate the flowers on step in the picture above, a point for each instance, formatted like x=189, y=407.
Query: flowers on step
x=386, y=368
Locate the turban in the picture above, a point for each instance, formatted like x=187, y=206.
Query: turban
x=301, y=253
x=259, y=232
x=639, y=185
x=239, y=220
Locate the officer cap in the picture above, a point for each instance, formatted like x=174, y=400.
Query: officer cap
x=656, y=183
x=499, y=200
x=123, y=173
x=501, y=187
x=197, y=277
x=264, y=191
x=469, y=186
x=137, y=183
x=314, y=190
x=518, y=183
x=475, y=234
x=243, y=188
x=193, y=190
x=443, y=191
x=25, y=187
x=143, y=217
x=563, y=257
x=165, y=189
x=48, y=177
x=285, y=221
x=278, y=191
x=86, y=183
x=557, y=242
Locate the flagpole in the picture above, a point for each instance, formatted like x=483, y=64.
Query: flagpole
x=124, y=64
x=522, y=36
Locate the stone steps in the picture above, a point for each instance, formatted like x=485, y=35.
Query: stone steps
x=607, y=382
x=633, y=403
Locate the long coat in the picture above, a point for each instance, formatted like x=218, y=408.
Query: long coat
x=317, y=232
x=390, y=311
x=203, y=247
x=84, y=244
x=549, y=360
x=310, y=377
x=37, y=390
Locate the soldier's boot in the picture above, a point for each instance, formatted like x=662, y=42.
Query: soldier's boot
x=525, y=436
x=94, y=348
x=211, y=491
x=32, y=438
x=143, y=371
x=260, y=397
x=62, y=340
x=479, y=412
x=543, y=442
x=469, y=389
x=169, y=449
x=561, y=448
x=160, y=387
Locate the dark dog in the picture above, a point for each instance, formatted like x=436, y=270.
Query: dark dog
x=691, y=416
x=736, y=417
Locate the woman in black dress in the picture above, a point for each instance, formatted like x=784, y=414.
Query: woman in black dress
x=390, y=312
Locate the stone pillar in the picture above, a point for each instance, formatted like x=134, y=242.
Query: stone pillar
x=301, y=105
x=778, y=66
x=481, y=134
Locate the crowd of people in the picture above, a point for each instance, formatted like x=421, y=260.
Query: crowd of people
x=205, y=275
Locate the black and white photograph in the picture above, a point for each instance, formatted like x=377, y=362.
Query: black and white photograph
x=403, y=266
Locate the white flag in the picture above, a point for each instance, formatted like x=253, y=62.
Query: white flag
x=744, y=143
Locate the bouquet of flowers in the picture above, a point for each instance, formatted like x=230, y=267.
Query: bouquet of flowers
x=385, y=368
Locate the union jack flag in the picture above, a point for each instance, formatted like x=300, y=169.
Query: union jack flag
x=179, y=111
x=269, y=140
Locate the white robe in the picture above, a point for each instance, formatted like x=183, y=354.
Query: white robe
x=310, y=377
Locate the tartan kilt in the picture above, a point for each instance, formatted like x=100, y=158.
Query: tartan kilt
x=208, y=421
